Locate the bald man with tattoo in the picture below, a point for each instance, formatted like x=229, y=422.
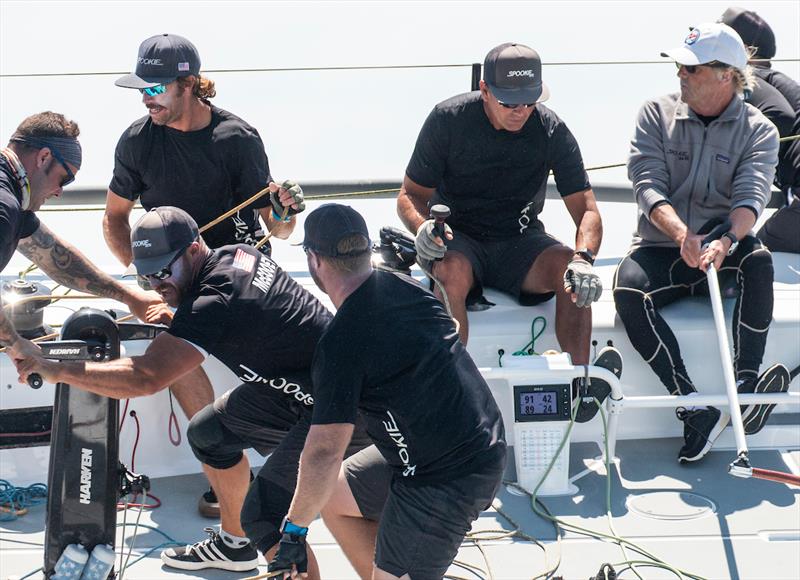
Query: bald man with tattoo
x=42, y=157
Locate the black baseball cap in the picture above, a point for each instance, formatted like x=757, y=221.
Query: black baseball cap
x=329, y=224
x=753, y=29
x=162, y=59
x=160, y=235
x=513, y=73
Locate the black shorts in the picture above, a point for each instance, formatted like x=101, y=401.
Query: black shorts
x=503, y=264
x=250, y=417
x=421, y=526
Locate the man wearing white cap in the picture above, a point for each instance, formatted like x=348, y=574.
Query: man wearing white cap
x=699, y=158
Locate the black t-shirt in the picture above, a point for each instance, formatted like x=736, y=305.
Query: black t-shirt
x=204, y=172
x=394, y=354
x=494, y=181
x=252, y=316
x=15, y=223
x=778, y=97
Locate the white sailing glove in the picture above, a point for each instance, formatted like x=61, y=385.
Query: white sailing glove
x=429, y=245
x=581, y=279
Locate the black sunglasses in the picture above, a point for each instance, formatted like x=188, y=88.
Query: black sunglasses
x=692, y=68
x=523, y=105
x=70, y=176
x=166, y=271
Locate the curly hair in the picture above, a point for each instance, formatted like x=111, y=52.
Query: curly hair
x=203, y=88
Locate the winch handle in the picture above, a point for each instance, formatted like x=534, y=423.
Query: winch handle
x=35, y=381
x=439, y=213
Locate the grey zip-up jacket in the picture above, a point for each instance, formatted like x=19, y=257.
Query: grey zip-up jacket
x=704, y=172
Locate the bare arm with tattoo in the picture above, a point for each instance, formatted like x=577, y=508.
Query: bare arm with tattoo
x=67, y=266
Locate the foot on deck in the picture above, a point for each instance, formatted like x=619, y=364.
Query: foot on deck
x=212, y=552
x=775, y=379
x=701, y=427
x=610, y=359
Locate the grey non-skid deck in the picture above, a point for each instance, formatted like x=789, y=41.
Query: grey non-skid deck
x=696, y=518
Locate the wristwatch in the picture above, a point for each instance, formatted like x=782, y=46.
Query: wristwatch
x=586, y=254
x=734, y=241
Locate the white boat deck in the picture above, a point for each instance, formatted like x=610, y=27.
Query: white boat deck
x=697, y=518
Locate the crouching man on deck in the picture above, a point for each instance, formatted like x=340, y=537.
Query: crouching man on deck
x=401, y=507
x=698, y=157
x=234, y=303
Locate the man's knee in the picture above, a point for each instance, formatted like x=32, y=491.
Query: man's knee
x=629, y=304
x=758, y=262
x=211, y=442
x=265, y=506
x=546, y=274
x=455, y=274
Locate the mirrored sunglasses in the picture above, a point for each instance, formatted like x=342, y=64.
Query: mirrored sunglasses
x=153, y=91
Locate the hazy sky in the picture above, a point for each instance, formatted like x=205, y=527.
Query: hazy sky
x=351, y=125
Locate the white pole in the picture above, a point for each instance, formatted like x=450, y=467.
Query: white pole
x=727, y=362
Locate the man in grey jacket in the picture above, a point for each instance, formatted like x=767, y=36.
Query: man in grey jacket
x=700, y=157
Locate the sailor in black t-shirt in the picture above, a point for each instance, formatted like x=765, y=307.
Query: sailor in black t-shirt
x=189, y=154
x=42, y=157
x=393, y=354
x=236, y=304
x=487, y=155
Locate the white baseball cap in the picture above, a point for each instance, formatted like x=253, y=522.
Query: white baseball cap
x=711, y=42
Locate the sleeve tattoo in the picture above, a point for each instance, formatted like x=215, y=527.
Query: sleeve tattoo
x=66, y=265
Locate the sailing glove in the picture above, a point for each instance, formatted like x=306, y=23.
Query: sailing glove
x=297, y=197
x=427, y=247
x=581, y=280
x=291, y=552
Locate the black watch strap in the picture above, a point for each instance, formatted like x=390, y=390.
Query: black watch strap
x=586, y=254
x=732, y=237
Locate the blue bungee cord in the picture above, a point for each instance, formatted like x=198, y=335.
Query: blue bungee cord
x=15, y=501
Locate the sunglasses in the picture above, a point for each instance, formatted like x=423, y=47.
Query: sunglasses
x=693, y=68
x=153, y=91
x=166, y=271
x=70, y=177
x=523, y=105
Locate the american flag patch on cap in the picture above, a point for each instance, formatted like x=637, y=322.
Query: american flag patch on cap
x=183, y=66
x=244, y=261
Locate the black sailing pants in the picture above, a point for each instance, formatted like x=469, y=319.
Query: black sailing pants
x=649, y=278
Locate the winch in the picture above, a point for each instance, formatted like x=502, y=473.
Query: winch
x=24, y=304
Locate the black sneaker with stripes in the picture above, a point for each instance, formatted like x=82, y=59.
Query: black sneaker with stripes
x=212, y=552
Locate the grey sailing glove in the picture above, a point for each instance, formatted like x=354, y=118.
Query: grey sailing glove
x=297, y=198
x=581, y=280
x=426, y=243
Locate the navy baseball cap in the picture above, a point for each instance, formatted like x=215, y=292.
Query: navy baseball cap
x=753, y=29
x=331, y=223
x=513, y=73
x=160, y=235
x=162, y=59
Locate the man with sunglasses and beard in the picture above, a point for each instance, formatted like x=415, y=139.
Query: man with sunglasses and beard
x=190, y=154
x=487, y=156
x=698, y=158
x=42, y=157
x=236, y=304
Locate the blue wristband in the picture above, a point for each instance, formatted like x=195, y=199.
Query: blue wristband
x=278, y=218
x=290, y=528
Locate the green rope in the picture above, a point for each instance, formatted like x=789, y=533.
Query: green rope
x=529, y=349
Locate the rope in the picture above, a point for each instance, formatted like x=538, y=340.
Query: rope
x=15, y=501
x=320, y=196
x=363, y=67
